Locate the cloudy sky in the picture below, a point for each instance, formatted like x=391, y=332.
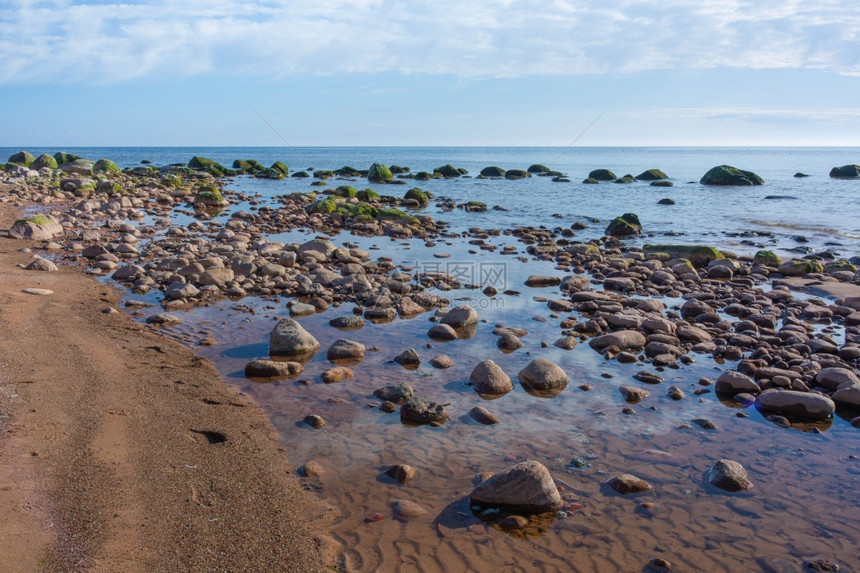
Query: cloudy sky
x=441, y=72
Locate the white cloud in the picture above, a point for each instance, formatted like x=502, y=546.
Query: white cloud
x=64, y=41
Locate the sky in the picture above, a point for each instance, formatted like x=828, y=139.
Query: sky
x=440, y=72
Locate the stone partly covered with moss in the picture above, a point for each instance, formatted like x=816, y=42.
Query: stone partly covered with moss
x=726, y=175
x=517, y=174
x=662, y=183
x=323, y=206
x=398, y=170
x=624, y=226
x=379, y=173
x=416, y=194
x=583, y=249
x=367, y=195
x=106, y=166
x=473, y=206
x=840, y=265
x=360, y=210
x=345, y=191
x=36, y=228
x=200, y=163
x=423, y=176
x=698, y=255
x=767, y=258
x=301, y=174
x=800, y=267
x=590, y=181
x=450, y=172
x=210, y=196
x=78, y=167
x=44, y=160
x=24, y=158
x=538, y=168
x=392, y=214
x=626, y=179
x=602, y=175
x=281, y=168
x=492, y=171
x=63, y=157
x=844, y=172
x=651, y=175
x=348, y=171
x=247, y=166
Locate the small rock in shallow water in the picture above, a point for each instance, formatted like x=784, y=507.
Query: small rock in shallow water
x=422, y=411
x=441, y=361
x=310, y=469
x=401, y=472
x=633, y=395
x=482, y=415
x=514, y=522
x=675, y=393
x=405, y=509
x=729, y=475
x=488, y=378
x=314, y=421
x=819, y=564
x=628, y=483
x=408, y=358
x=658, y=565
x=526, y=486
x=336, y=374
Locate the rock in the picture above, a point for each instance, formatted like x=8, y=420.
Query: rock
x=493, y=172
x=272, y=369
x=38, y=291
x=337, y=374
x=405, y=509
x=626, y=484
x=343, y=349
x=401, y=472
x=622, y=339
x=310, y=469
x=423, y=411
x=442, y=332
x=834, y=378
x=808, y=405
x=648, y=377
x=729, y=475
x=24, y=158
x=848, y=396
x=517, y=174
x=767, y=258
x=508, y=342
x=314, y=421
x=542, y=281
x=396, y=393
x=525, y=487
x=299, y=309
x=483, y=416
x=675, y=393
x=487, y=378
x=179, y=291
x=163, y=319
x=819, y=564
x=36, y=228
x=44, y=160
x=623, y=226
x=460, y=316
x=633, y=395
x=441, y=361
x=348, y=322
x=651, y=175
x=289, y=338
x=218, y=277
x=734, y=382
x=379, y=173
x=543, y=377
x=408, y=358
x=565, y=343
x=727, y=175
x=514, y=522
x=602, y=175
x=844, y=172
x=40, y=264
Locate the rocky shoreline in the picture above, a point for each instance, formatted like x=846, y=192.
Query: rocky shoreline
x=795, y=358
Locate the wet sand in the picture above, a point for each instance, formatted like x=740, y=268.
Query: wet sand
x=124, y=451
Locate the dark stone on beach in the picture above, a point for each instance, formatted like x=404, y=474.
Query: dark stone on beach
x=823, y=565
x=543, y=377
x=734, y=382
x=450, y=172
x=348, y=322
x=442, y=332
x=633, y=395
x=509, y=342
x=791, y=403
x=729, y=475
x=799, y=174
x=493, y=172
x=648, y=377
x=651, y=175
x=542, y=281
x=846, y=172
x=626, y=484
x=625, y=225
x=345, y=350
x=441, y=361
x=460, y=316
x=665, y=201
x=727, y=175
x=526, y=487
x=408, y=358
x=423, y=411
x=314, y=421
x=622, y=339
x=602, y=175
x=397, y=393
x=675, y=393
x=272, y=369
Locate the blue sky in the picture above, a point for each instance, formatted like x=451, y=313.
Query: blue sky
x=378, y=72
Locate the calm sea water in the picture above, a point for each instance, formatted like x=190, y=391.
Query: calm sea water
x=788, y=214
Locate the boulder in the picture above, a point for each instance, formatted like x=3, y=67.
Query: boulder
x=408, y=357
x=834, y=378
x=626, y=484
x=78, y=167
x=493, y=172
x=848, y=396
x=727, y=175
x=449, y=171
x=379, y=173
x=40, y=264
x=483, y=416
x=808, y=405
x=442, y=332
x=543, y=377
x=734, y=382
x=844, y=172
x=651, y=175
x=272, y=369
x=343, y=349
x=44, y=160
x=289, y=338
x=602, y=175
x=487, y=378
x=397, y=393
x=418, y=410
x=526, y=487
x=622, y=339
x=24, y=158
x=517, y=174
x=36, y=228
x=460, y=316
x=729, y=475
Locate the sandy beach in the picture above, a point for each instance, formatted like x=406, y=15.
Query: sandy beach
x=124, y=451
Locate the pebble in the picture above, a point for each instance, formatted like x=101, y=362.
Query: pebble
x=314, y=421
x=38, y=291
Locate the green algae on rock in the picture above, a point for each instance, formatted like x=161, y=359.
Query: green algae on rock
x=844, y=172
x=698, y=255
x=651, y=175
x=726, y=175
x=379, y=173
x=625, y=225
x=602, y=175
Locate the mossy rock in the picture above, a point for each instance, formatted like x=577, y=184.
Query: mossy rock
x=35, y=227
x=800, y=267
x=323, y=174
x=626, y=179
x=698, y=255
x=392, y=214
x=624, y=226
x=63, y=157
x=473, y=206
x=423, y=197
x=844, y=172
x=398, y=170
x=726, y=175
x=362, y=209
x=662, y=183
x=78, y=167
x=144, y=170
x=281, y=168
x=171, y=180
x=210, y=196
x=450, y=172
x=36, y=220
x=301, y=174
x=348, y=171
x=270, y=173
x=249, y=166
x=837, y=266
x=324, y=206
x=106, y=166
x=583, y=249
x=651, y=175
x=767, y=258
x=538, y=168
x=379, y=173
x=492, y=172
x=24, y=158
x=200, y=163
x=602, y=175
x=367, y=195
x=44, y=160
x=346, y=191
x=590, y=181
x=517, y=174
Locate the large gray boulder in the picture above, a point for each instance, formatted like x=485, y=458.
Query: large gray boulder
x=36, y=228
x=525, y=487
x=488, y=378
x=289, y=338
x=808, y=405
